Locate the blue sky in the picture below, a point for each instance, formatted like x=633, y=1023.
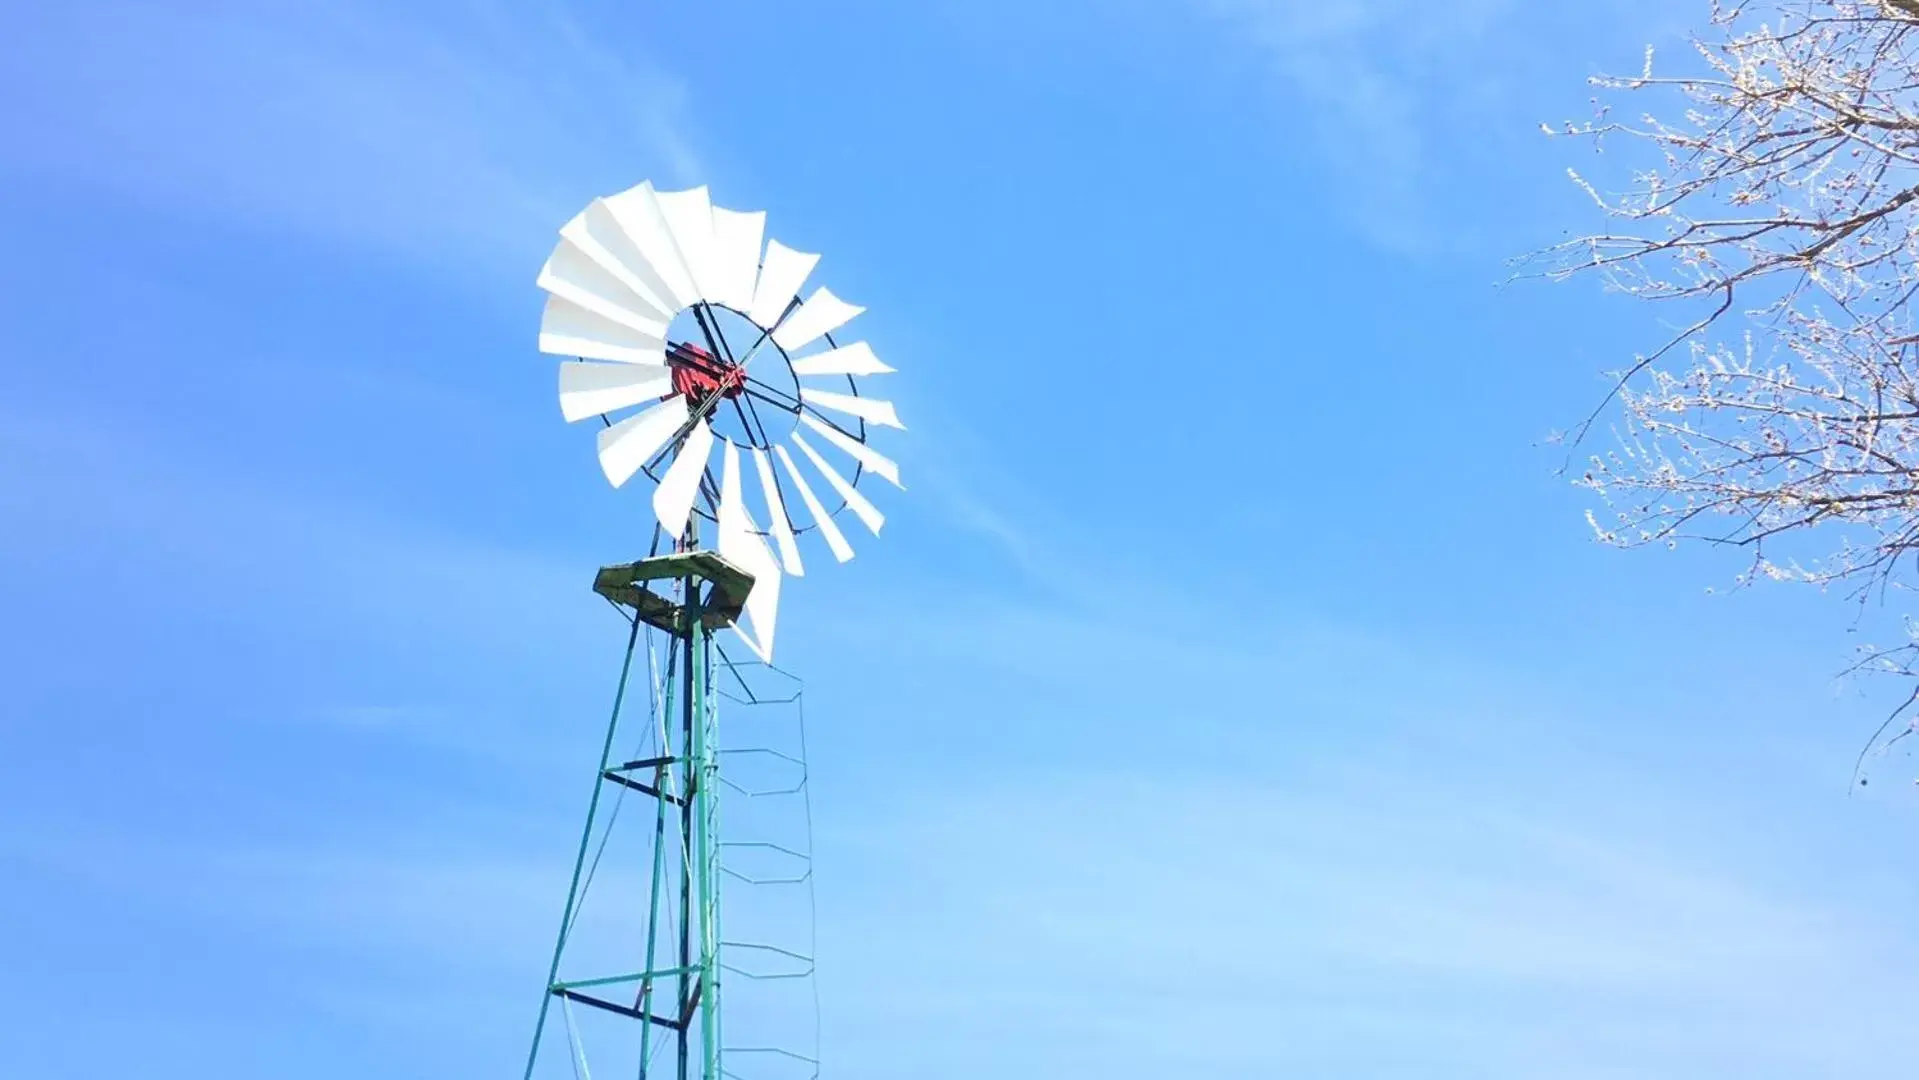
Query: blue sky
x=1236, y=689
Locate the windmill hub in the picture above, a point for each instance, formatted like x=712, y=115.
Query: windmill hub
x=701, y=376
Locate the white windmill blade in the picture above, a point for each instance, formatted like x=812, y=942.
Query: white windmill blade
x=567, y=329
x=598, y=227
x=854, y=359
x=781, y=529
x=673, y=499
x=632, y=442
x=597, y=389
x=741, y=545
x=834, y=538
x=595, y=234
x=781, y=275
x=822, y=313
x=736, y=256
x=859, y=504
x=875, y=462
x=573, y=274
x=763, y=601
x=689, y=217
x=637, y=210
x=871, y=410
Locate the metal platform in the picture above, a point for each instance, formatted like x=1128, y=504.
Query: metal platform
x=626, y=585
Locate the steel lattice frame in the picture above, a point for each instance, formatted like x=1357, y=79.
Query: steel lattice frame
x=711, y=591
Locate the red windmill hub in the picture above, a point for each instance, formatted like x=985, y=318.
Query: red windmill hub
x=701, y=376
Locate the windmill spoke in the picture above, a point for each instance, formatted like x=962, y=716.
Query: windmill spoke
x=710, y=490
x=771, y=396
x=746, y=422
x=672, y=445
x=786, y=508
x=750, y=415
x=757, y=342
x=815, y=413
x=715, y=337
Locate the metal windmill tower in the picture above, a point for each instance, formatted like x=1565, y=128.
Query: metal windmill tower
x=683, y=332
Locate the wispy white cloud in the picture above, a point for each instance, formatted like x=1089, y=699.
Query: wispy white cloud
x=1315, y=927
x=273, y=551
x=1310, y=908
x=125, y=512
x=442, y=132
x=1407, y=105
x=1376, y=84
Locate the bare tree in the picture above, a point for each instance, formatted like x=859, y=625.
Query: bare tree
x=1771, y=199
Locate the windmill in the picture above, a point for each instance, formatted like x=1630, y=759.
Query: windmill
x=687, y=338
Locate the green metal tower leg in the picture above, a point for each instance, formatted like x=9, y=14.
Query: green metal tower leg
x=702, y=812
x=586, y=838
x=691, y=635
